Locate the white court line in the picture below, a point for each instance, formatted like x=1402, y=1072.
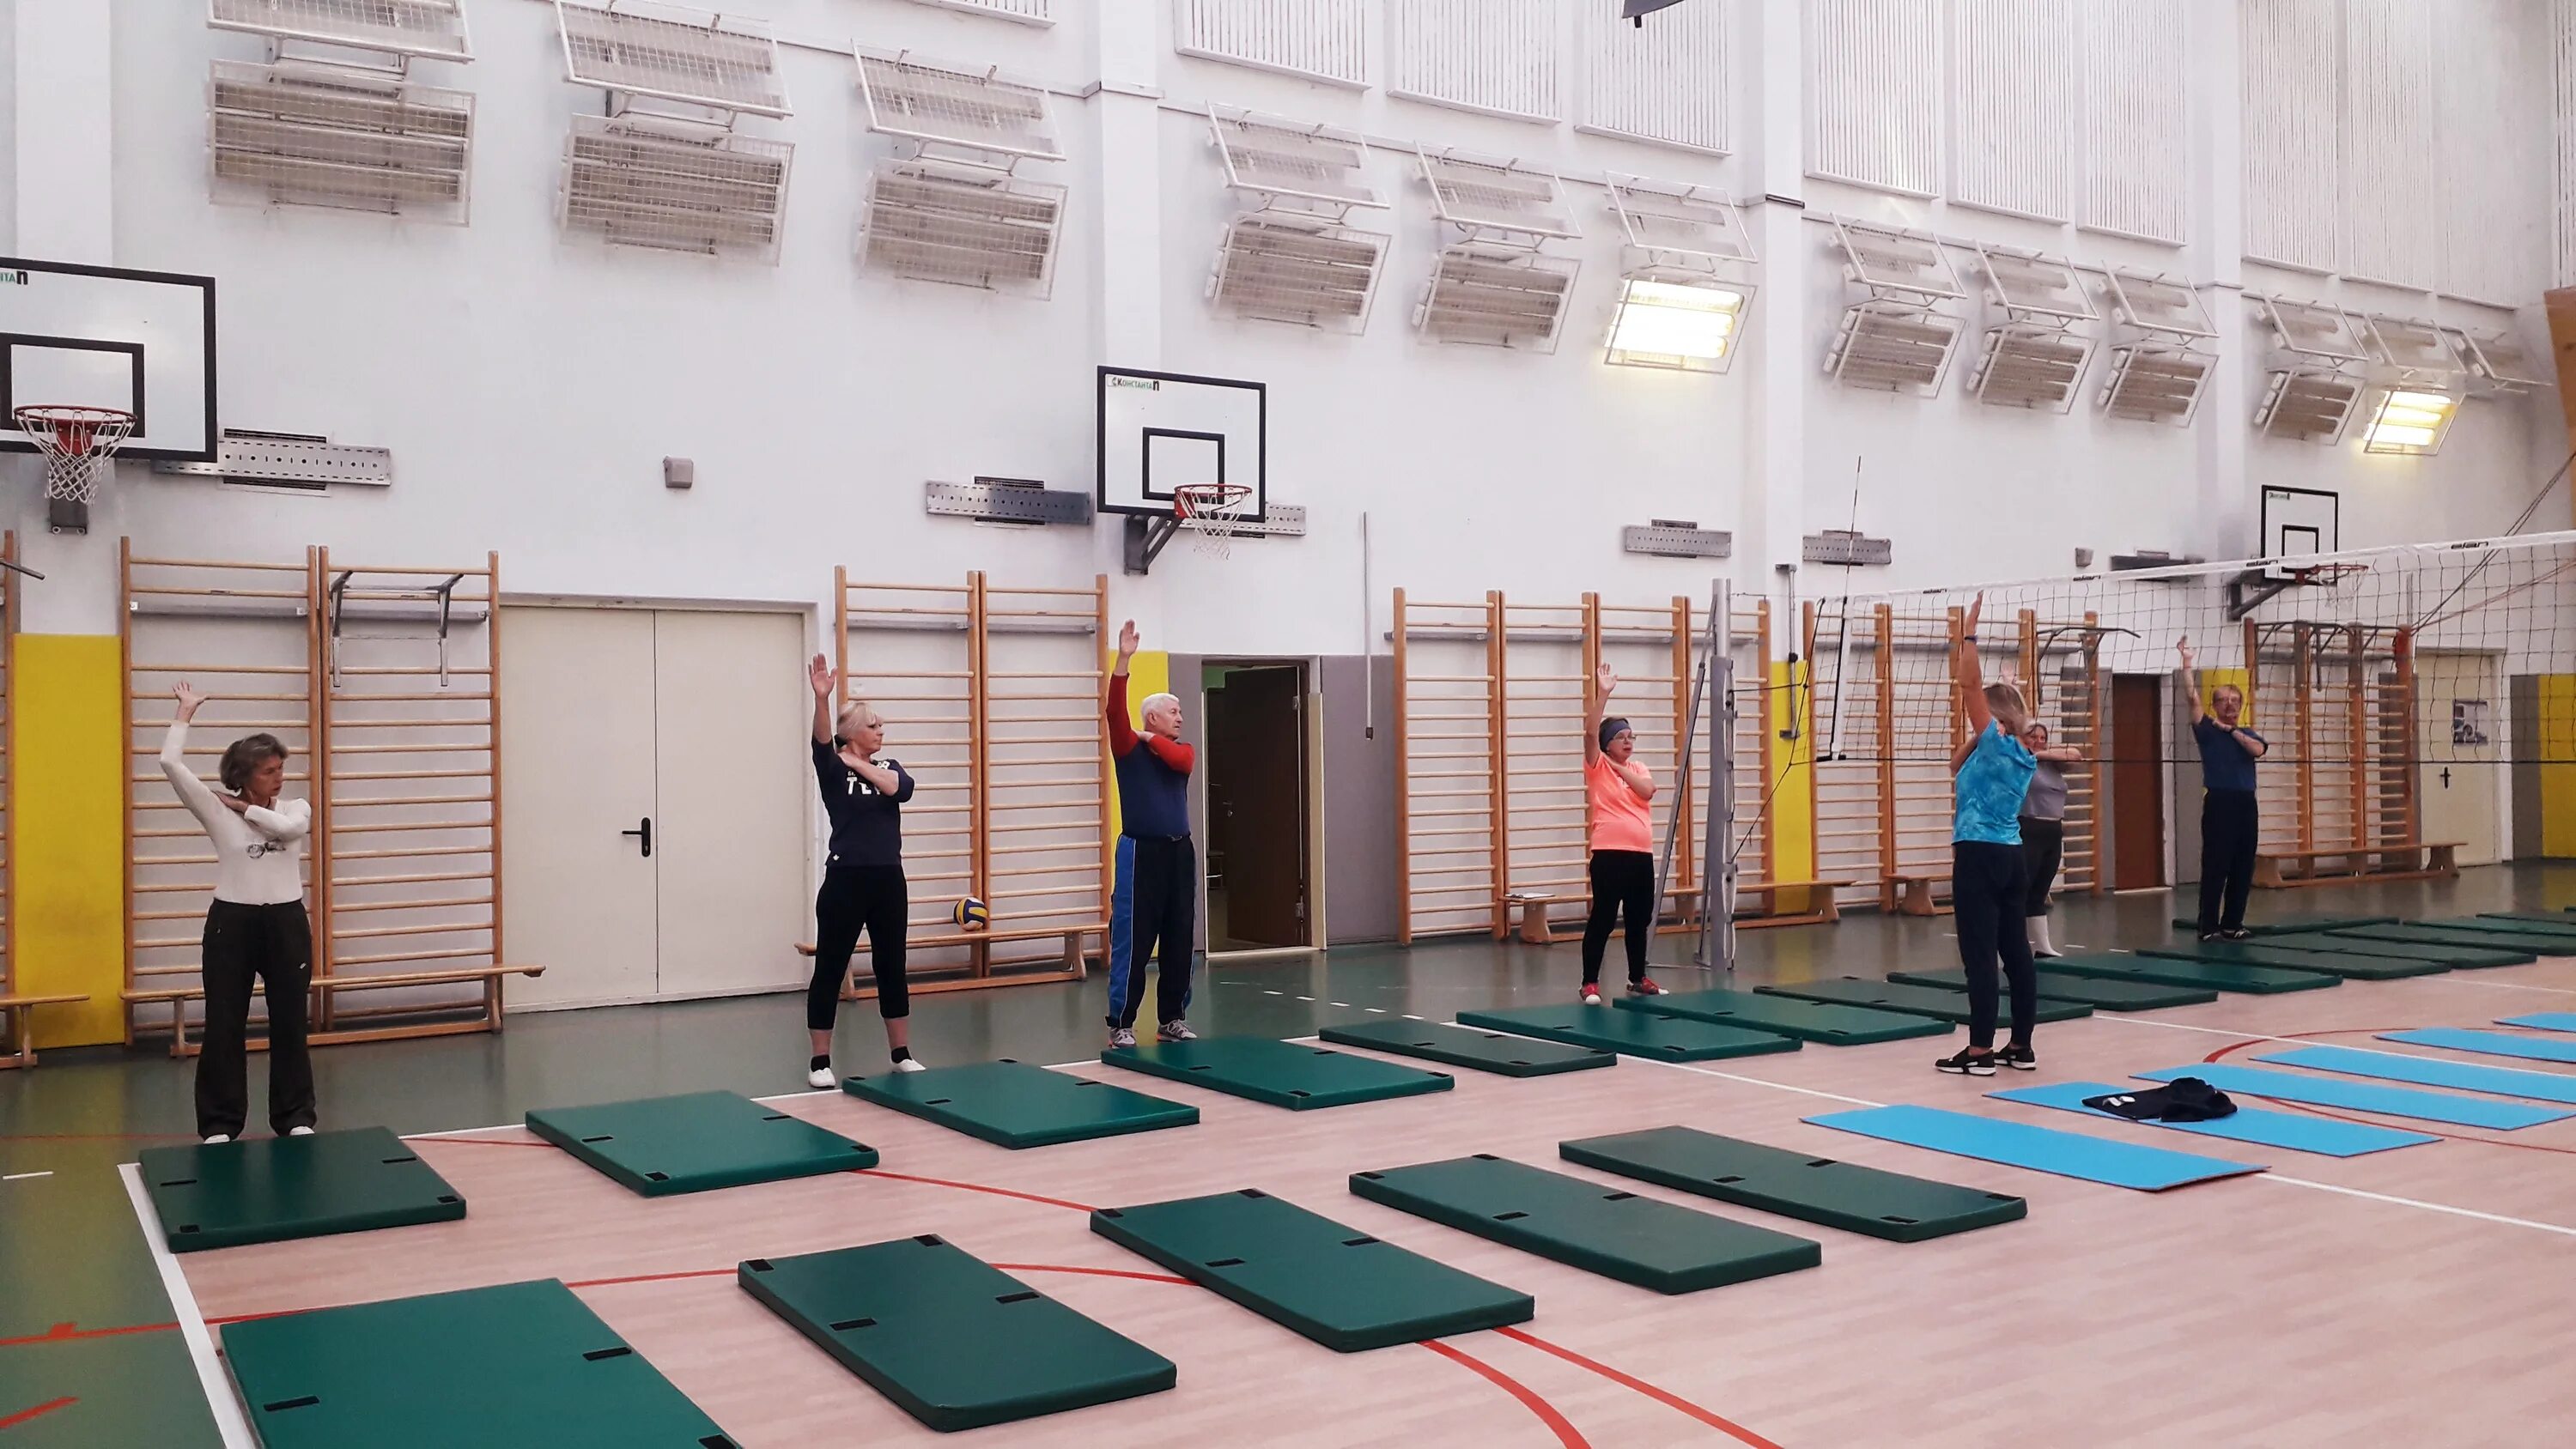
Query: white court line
x=2499, y=985
x=780, y=1097
x=192, y=1324
x=2412, y=1202
x=1344, y=1005
x=2245, y=1035
x=1409, y=1016
x=1374, y=1010
x=23, y=1176
x=1729, y=1076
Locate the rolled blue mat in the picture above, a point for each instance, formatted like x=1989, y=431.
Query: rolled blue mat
x=2431, y=1072
x=2362, y=1096
x=2492, y=1043
x=2290, y=1130
x=2544, y=1020
x=2041, y=1149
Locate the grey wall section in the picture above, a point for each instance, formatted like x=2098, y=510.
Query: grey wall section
x=2527, y=823
x=1185, y=673
x=1359, y=799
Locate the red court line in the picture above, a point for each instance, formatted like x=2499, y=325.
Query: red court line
x=482, y=1141
x=65, y=1333
x=2409, y=1125
x=1566, y=1434
x=1093, y=1272
x=975, y=1187
x=654, y=1277
x=23, y=1415
x=1668, y=1400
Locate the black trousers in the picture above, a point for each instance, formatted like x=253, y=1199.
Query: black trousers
x=1622, y=880
x=855, y=898
x=275, y=945
x=2043, y=850
x=2230, y=828
x=1155, y=903
x=1988, y=890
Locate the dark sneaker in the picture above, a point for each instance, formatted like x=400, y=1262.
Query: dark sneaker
x=1644, y=986
x=2209, y=935
x=2238, y=933
x=2019, y=1058
x=1968, y=1063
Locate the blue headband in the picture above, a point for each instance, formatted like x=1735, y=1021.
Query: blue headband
x=1611, y=729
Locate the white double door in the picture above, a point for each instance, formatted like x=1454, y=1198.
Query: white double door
x=684, y=730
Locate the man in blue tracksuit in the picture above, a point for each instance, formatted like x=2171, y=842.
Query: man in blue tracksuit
x=1157, y=893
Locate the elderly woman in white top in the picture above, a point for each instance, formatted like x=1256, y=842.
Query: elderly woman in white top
x=255, y=928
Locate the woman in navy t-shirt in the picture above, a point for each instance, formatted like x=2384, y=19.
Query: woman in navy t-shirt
x=1987, y=884
x=863, y=885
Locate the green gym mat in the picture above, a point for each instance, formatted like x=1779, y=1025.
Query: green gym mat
x=2285, y=925
x=2458, y=958
x=2558, y=931
x=2100, y=995
x=271, y=1189
x=1640, y=1240
x=1281, y=1074
x=2258, y=952
x=1334, y=1284
x=2553, y=922
x=697, y=1141
x=1013, y=1104
x=1788, y=1016
x=1800, y=1185
x=2217, y=975
x=513, y=1367
x=2556, y=944
x=1929, y=1001
x=956, y=1342
x=1630, y=1033
x=1485, y=1051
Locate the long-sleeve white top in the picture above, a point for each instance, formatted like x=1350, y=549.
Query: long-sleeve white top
x=256, y=851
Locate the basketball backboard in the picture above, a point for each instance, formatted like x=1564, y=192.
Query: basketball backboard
x=2298, y=522
x=137, y=342
x=1163, y=430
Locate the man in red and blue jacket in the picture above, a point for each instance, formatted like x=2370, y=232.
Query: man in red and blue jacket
x=1157, y=895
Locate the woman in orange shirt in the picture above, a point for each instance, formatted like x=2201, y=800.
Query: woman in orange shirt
x=1623, y=843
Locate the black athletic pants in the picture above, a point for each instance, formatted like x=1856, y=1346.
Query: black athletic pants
x=1155, y=903
x=2230, y=828
x=275, y=945
x=855, y=898
x=1987, y=888
x=1622, y=880
x=2043, y=850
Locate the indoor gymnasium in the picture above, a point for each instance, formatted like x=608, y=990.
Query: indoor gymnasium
x=1525, y=724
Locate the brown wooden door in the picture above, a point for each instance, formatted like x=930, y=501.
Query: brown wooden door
x=2137, y=782
x=1257, y=803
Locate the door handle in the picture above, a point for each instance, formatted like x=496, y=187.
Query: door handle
x=644, y=833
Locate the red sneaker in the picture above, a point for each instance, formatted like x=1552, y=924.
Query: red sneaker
x=1592, y=993
x=1644, y=986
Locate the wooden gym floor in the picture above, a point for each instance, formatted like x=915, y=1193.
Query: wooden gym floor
x=2411, y=1296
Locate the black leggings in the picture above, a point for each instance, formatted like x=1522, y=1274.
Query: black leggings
x=1986, y=887
x=855, y=898
x=2230, y=828
x=2043, y=850
x=1621, y=879
x=275, y=945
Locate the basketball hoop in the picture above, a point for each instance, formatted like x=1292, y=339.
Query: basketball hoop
x=78, y=443
x=1213, y=511
x=2328, y=575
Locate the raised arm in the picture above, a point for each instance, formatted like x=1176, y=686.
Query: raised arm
x=1122, y=730
x=2061, y=756
x=1970, y=678
x=201, y=802
x=819, y=675
x=2193, y=709
x=1596, y=704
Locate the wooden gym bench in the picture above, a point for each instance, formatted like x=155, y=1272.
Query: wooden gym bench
x=1914, y=892
x=1075, y=966
x=179, y=996
x=2389, y=860
x=15, y=1025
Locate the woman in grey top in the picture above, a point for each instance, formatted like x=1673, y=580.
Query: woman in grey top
x=2043, y=832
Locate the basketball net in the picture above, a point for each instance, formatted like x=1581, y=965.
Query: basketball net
x=1213, y=512
x=79, y=443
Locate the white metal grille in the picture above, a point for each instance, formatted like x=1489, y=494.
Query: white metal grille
x=1281, y=159
x=2013, y=97
x=2291, y=81
x=1282, y=268
x=723, y=195
x=1486, y=196
x=2563, y=53
x=725, y=61
x=1497, y=298
x=1495, y=56
x=1667, y=82
x=1874, y=93
x=434, y=29
x=2392, y=160
x=1026, y=12
x=962, y=225
x=2135, y=140
x=950, y=105
x=279, y=133
x=1323, y=40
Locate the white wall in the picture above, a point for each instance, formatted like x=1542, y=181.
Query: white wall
x=529, y=385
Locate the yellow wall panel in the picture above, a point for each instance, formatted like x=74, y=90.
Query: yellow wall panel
x=68, y=832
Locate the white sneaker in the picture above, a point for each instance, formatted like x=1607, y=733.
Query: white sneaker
x=1121, y=1037
x=820, y=1077
x=1176, y=1031
x=2037, y=928
x=299, y=1131
x=219, y=1139
x=910, y=1065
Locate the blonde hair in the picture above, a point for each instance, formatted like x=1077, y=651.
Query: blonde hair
x=856, y=709
x=2005, y=699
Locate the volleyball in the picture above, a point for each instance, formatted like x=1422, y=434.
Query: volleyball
x=971, y=913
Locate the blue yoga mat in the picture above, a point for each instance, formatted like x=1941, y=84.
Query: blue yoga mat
x=2431, y=1072
x=2492, y=1043
x=2362, y=1096
x=2041, y=1149
x=2544, y=1020
x=2248, y=1124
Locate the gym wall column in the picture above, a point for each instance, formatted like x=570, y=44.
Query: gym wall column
x=2226, y=517
x=68, y=677
x=1781, y=363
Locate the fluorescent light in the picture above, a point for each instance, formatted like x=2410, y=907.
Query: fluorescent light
x=2409, y=422
x=1673, y=325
